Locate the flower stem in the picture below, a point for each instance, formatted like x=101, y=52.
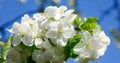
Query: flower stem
x=2, y=44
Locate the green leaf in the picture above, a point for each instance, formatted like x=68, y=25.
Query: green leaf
x=2, y=44
x=77, y=21
x=75, y=40
x=1, y=60
x=6, y=47
x=89, y=24
x=72, y=42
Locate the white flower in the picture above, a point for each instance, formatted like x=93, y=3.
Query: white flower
x=55, y=12
x=22, y=32
x=92, y=46
x=58, y=59
x=42, y=56
x=102, y=38
x=49, y=32
x=68, y=19
x=60, y=33
x=36, y=33
x=51, y=56
x=58, y=54
x=39, y=17
x=52, y=11
x=16, y=55
x=26, y=18
x=38, y=42
x=46, y=44
x=27, y=31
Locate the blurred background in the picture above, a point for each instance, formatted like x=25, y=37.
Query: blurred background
x=108, y=12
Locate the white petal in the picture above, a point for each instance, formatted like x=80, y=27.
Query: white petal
x=52, y=34
x=57, y=17
x=26, y=18
x=68, y=32
x=61, y=41
x=16, y=28
x=71, y=17
x=51, y=11
x=80, y=47
x=16, y=40
x=35, y=27
x=105, y=39
x=38, y=42
x=46, y=44
x=86, y=36
x=44, y=25
x=96, y=30
x=47, y=55
x=54, y=25
x=35, y=54
x=39, y=16
x=68, y=19
x=63, y=8
x=69, y=11
x=28, y=40
x=25, y=27
x=101, y=51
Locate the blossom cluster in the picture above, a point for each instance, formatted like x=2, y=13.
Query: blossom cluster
x=53, y=37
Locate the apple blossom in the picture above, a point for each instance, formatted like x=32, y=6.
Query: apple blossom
x=54, y=36
x=92, y=46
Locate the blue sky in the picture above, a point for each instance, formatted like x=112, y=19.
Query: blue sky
x=9, y=9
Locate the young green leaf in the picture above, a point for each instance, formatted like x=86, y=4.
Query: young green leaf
x=6, y=47
x=70, y=45
x=89, y=24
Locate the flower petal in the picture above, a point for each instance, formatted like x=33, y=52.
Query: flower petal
x=101, y=51
x=86, y=36
x=16, y=28
x=61, y=41
x=52, y=11
x=39, y=16
x=52, y=34
x=38, y=42
x=68, y=32
x=26, y=18
x=46, y=44
x=16, y=40
x=28, y=40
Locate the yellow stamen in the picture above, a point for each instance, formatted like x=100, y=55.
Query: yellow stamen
x=44, y=31
x=60, y=30
x=88, y=46
x=31, y=25
x=22, y=33
x=46, y=14
x=61, y=10
x=71, y=23
x=36, y=35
